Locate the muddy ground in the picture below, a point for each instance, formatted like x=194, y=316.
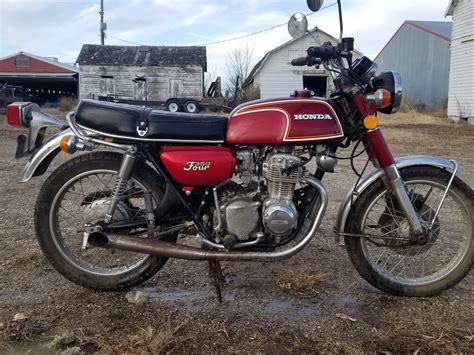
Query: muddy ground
x=284, y=307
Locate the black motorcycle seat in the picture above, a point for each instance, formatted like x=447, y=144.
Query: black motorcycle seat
x=142, y=123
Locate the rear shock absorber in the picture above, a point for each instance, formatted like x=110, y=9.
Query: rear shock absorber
x=120, y=186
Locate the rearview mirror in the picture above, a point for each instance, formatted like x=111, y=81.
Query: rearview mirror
x=315, y=5
x=298, y=25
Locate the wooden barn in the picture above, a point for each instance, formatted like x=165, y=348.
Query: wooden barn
x=419, y=50
x=274, y=76
x=461, y=76
x=44, y=80
x=147, y=73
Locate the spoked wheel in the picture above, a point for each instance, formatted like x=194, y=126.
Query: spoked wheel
x=396, y=262
x=78, y=194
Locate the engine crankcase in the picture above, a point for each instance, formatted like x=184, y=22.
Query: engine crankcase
x=241, y=217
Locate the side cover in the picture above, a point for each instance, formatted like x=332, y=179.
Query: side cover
x=284, y=121
x=199, y=166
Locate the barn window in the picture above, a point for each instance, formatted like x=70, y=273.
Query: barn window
x=22, y=62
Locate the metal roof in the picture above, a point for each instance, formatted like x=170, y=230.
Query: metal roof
x=94, y=54
x=440, y=28
x=45, y=60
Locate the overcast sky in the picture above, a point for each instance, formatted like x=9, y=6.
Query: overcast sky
x=59, y=27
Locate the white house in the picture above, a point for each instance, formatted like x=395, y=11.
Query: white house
x=274, y=76
x=461, y=77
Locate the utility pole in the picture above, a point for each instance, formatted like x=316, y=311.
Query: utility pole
x=103, y=25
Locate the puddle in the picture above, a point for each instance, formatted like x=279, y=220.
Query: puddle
x=191, y=300
x=283, y=307
x=13, y=349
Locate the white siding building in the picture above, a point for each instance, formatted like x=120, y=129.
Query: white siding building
x=461, y=77
x=274, y=76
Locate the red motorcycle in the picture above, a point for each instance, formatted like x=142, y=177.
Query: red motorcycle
x=247, y=187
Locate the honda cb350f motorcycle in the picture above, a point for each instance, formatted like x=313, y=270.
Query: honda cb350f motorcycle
x=242, y=185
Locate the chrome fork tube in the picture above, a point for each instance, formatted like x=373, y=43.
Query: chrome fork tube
x=124, y=174
x=400, y=192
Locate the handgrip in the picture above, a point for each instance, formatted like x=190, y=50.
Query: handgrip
x=322, y=52
x=299, y=62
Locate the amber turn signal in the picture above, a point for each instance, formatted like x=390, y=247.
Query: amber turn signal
x=371, y=122
x=383, y=98
x=67, y=144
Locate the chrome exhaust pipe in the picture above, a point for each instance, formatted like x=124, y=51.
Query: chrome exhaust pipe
x=179, y=251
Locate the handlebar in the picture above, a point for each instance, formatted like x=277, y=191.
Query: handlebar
x=323, y=52
x=305, y=61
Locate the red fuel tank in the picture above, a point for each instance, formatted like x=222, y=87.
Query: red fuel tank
x=284, y=121
x=198, y=166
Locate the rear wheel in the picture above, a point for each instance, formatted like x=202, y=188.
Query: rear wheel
x=399, y=265
x=79, y=193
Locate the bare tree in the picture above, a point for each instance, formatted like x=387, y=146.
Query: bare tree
x=238, y=68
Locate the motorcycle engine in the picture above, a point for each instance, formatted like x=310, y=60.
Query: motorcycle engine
x=282, y=171
x=247, y=209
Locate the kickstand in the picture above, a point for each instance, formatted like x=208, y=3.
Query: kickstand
x=215, y=273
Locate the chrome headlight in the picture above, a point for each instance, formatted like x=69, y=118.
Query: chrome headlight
x=391, y=81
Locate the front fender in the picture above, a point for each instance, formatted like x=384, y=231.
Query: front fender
x=40, y=160
x=367, y=180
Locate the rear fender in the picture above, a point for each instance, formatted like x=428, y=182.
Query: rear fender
x=40, y=161
x=367, y=180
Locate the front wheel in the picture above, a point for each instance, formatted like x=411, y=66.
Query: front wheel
x=399, y=265
x=79, y=193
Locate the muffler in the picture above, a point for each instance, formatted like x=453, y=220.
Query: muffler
x=180, y=251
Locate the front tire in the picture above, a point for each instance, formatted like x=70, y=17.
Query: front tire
x=402, y=268
x=78, y=192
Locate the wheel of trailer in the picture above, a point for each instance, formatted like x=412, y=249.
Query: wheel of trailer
x=191, y=106
x=79, y=192
x=173, y=106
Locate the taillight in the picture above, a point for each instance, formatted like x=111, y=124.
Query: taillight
x=14, y=115
x=19, y=113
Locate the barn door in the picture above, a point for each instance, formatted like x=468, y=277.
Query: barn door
x=176, y=88
x=106, y=85
x=141, y=89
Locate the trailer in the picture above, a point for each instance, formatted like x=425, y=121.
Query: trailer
x=213, y=101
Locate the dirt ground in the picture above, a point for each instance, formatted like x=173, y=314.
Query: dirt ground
x=284, y=307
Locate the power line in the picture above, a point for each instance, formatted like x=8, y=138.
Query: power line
x=261, y=31
x=234, y=38
x=124, y=40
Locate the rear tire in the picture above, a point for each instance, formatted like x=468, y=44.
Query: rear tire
x=63, y=257
x=380, y=271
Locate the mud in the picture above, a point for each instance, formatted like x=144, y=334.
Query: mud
x=260, y=312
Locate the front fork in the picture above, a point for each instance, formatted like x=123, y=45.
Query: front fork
x=381, y=156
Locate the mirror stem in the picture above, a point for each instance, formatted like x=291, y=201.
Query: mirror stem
x=340, y=19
